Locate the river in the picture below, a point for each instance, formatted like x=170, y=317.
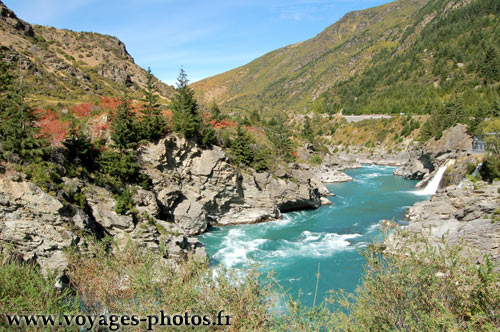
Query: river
x=330, y=236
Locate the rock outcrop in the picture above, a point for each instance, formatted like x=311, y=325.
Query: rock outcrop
x=33, y=223
x=196, y=188
x=38, y=227
x=470, y=214
x=332, y=175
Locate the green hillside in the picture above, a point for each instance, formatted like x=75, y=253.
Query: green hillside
x=294, y=76
x=420, y=57
x=448, y=59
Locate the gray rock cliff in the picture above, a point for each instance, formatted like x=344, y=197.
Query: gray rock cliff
x=197, y=187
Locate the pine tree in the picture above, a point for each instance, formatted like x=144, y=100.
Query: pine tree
x=152, y=124
x=495, y=108
x=81, y=154
x=241, y=147
x=123, y=128
x=261, y=160
x=216, y=112
x=185, y=118
x=280, y=135
x=490, y=66
x=18, y=129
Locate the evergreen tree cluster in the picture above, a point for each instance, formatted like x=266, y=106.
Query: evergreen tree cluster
x=280, y=135
x=128, y=129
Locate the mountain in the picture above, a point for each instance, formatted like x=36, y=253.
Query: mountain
x=406, y=56
x=294, y=76
x=61, y=65
x=448, y=60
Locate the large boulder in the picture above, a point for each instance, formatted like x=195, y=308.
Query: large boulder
x=102, y=205
x=414, y=169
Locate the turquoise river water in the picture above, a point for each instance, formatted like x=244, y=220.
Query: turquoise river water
x=331, y=235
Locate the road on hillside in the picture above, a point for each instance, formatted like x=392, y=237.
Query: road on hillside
x=357, y=118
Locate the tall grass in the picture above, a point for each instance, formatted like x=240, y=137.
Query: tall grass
x=419, y=287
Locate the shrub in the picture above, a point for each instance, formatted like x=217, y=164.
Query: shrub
x=316, y=159
x=118, y=169
x=262, y=160
x=490, y=169
x=150, y=286
x=425, y=290
x=44, y=174
x=124, y=202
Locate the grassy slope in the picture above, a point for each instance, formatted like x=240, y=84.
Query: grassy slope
x=61, y=65
x=293, y=76
x=405, y=56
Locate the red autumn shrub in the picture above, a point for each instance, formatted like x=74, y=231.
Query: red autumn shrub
x=222, y=124
x=52, y=127
x=83, y=110
x=109, y=103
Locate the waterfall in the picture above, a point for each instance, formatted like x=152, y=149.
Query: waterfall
x=476, y=171
x=433, y=185
x=474, y=174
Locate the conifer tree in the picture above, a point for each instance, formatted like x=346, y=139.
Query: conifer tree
x=152, y=124
x=185, y=118
x=18, y=130
x=81, y=154
x=241, y=147
x=216, y=112
x=307, y=131
x=123, y=129
x=280, y=135
x=490, y=66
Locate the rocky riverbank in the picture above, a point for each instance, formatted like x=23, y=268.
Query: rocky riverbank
x=191, y=189
x=469, y=214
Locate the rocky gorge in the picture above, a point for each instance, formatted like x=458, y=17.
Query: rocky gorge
x=192, y=188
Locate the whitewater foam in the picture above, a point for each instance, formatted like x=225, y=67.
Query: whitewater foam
x=433, y=185
x=237, y=248
x=312, y=244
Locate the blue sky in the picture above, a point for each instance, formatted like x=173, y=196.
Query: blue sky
x=206, y=37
